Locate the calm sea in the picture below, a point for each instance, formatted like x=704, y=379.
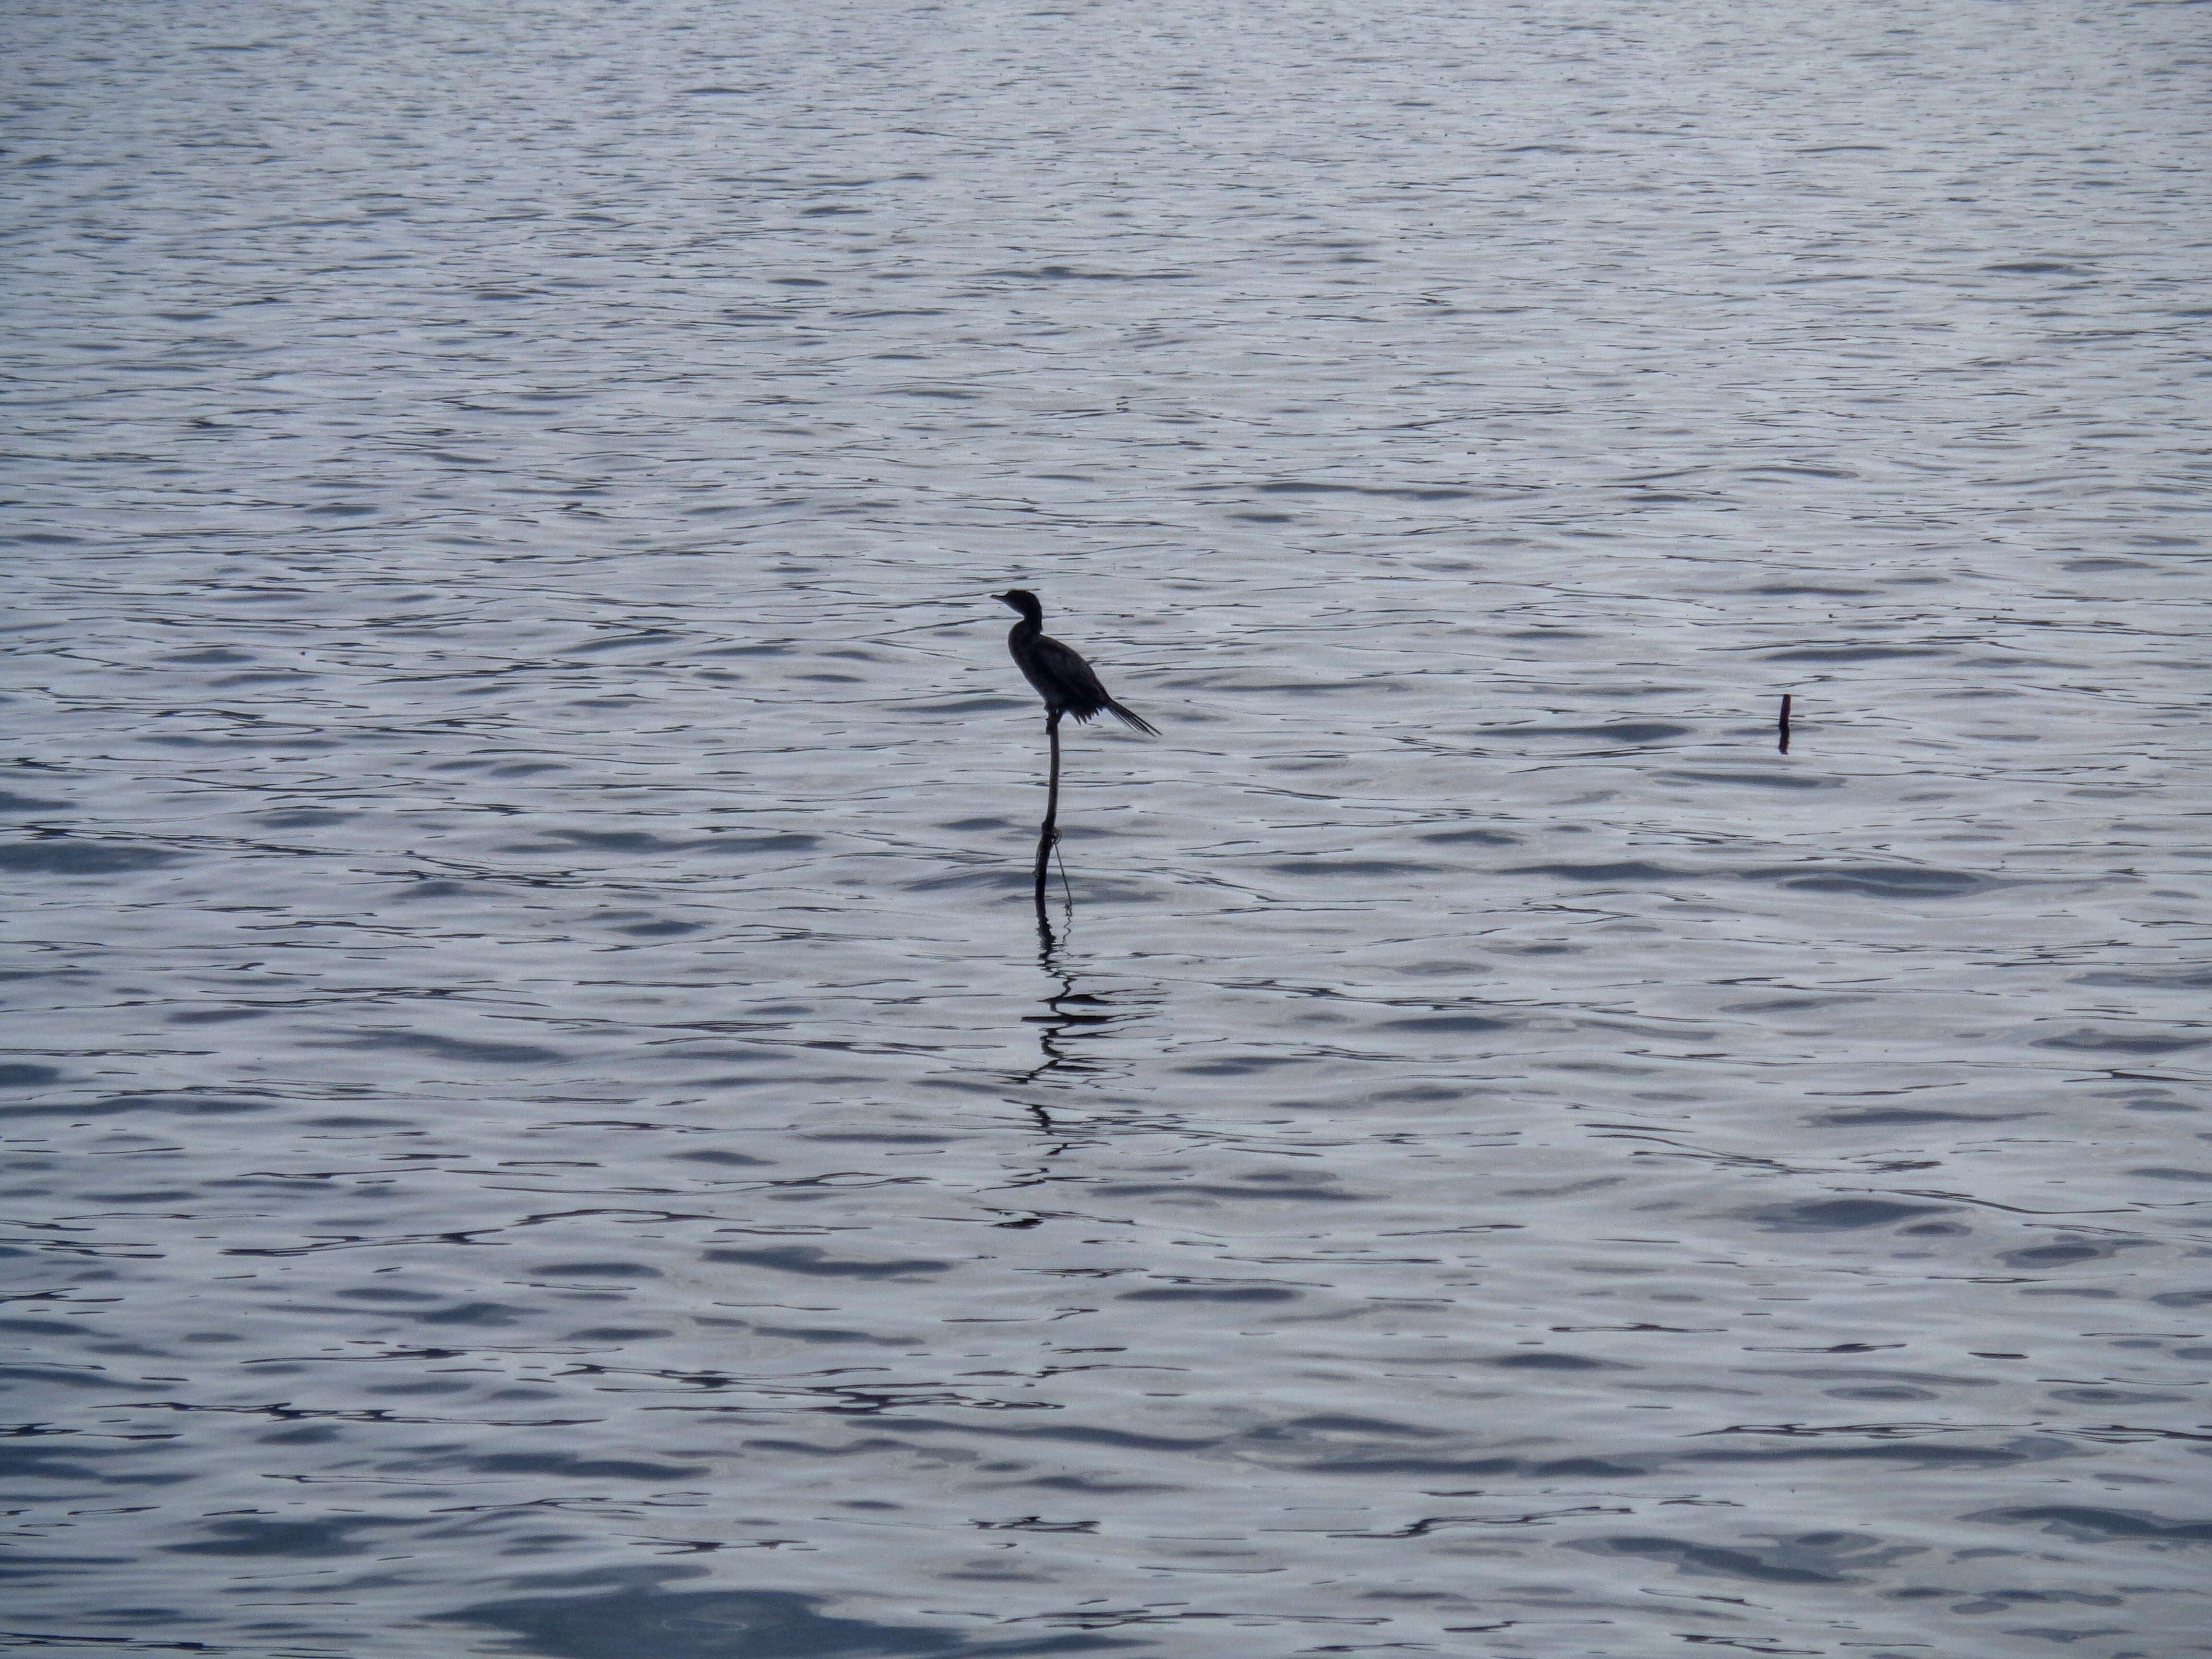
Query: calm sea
x=540, y=1118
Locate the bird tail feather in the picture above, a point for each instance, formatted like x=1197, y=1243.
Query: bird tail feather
x=1128, y=718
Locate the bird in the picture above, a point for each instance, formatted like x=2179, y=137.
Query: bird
x=1068, y=684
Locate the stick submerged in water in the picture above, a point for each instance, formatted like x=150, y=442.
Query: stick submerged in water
x=1048, y=832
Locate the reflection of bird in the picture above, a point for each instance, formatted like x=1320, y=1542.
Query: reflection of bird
x=1065, y=682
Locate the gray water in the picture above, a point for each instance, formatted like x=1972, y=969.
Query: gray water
x=539, y=1117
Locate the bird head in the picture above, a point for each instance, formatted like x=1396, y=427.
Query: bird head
x=1021, y=600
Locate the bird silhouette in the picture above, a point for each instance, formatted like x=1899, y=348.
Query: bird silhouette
x=1069, y=685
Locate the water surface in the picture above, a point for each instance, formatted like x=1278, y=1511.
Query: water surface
x=539, y=1117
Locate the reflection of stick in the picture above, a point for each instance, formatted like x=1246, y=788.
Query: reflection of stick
x=1048, y=833
x=1784, y=725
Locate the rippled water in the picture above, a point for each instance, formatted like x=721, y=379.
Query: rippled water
x=540, y=1119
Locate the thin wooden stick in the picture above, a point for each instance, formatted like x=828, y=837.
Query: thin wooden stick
x=1048, y=833
x=1784, y=725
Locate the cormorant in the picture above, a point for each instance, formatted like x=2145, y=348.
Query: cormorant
x=1069, y=686
x=1067, y=683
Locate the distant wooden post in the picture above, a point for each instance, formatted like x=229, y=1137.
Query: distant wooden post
x=1783, y=726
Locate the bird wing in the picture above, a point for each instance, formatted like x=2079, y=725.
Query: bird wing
x=1062, y=676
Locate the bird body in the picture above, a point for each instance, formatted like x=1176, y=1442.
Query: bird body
x=1068, y=684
